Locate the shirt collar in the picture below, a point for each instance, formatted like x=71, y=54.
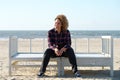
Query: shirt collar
x=56, y=30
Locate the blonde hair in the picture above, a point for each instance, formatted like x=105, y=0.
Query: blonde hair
x=64, y=21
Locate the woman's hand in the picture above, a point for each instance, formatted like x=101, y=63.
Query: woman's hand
x=62, y=50
x=57, y=52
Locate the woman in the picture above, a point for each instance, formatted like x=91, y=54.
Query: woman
x=59, y=42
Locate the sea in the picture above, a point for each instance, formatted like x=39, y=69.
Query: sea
x=43, y=33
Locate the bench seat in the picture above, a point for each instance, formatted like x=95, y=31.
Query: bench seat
x=83, y=59
x=39, y=56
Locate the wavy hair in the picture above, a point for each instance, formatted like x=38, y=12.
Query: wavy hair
x=63, y=19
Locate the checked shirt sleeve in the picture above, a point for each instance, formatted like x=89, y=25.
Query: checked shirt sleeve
x=68, y=40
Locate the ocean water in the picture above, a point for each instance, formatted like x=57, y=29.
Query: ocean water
x=74, y=33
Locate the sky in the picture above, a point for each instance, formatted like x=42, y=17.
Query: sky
x=40, y=14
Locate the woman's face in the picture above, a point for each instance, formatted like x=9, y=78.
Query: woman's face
x=57, y=24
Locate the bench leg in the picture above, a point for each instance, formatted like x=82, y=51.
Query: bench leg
x=60, y=67
x=9, y=70
x=1, y=68
x=111, y=71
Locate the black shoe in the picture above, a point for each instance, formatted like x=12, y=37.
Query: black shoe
x=77, y=74
x=40, y=74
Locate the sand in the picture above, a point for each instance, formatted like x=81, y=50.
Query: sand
x=88, y=73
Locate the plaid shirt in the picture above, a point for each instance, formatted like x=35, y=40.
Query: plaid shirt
x=56, y=40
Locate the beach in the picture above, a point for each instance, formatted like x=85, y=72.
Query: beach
x=88, y=73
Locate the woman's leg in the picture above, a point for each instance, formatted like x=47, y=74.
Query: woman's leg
x=72, y=58
x=48, y=53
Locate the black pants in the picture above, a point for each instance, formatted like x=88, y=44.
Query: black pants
x=49, y=53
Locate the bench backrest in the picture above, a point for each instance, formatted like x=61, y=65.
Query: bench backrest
x=13, y=45
x=102, y=44
x=107, y=45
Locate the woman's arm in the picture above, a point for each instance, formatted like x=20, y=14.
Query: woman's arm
x=68, y=40
x=50, y=41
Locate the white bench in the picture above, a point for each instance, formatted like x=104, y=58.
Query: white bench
x=104, y=57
